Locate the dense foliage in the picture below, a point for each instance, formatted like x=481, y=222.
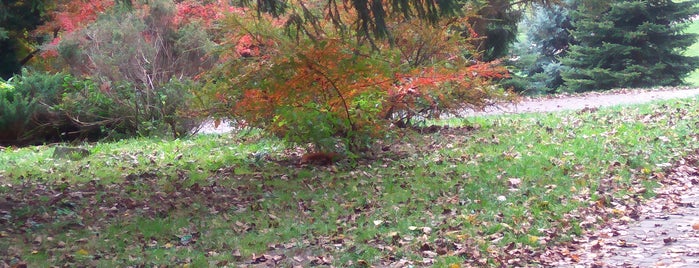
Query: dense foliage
x=546, y=38
x=17, y=21
x=313, y=82
x=27, y=109
x=629, y=44
x=596, y=45
x=331, y=74
x=135, y=65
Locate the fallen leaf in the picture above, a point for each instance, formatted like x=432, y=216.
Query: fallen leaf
x=669, y=240
x=533, y=239
x=82, y=252
x=514, y=182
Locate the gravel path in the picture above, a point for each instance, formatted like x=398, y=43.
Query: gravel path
x=667, y=232
x=590, y=100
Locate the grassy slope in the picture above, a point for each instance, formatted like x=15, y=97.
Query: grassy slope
x=511, y=186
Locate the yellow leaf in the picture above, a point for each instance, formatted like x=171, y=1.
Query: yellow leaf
x=454, y=265
x=168, y=245
x=82, y=252
x=533, y=239
x=35, y=252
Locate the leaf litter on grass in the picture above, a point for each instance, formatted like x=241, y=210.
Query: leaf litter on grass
x=496, y=193
x=658, y=232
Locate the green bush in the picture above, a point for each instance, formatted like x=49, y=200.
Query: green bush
x=544, y=40
x=15, y=113
x=140, y=71
x=120, y=110
x=29, y=111
x=38, y=107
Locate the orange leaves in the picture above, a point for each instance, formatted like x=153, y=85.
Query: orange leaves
x=206, y=13
x=310, y=83
x=436, y=89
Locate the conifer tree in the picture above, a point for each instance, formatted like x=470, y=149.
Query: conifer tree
x=629, y=43
x=545, y=39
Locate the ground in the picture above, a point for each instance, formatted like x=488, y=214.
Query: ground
x=663, y=233
x=666, y=230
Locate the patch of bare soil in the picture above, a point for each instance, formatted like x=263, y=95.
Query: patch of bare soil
x=665, y=234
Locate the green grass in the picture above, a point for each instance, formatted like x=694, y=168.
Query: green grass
x=693, y=79
x=484, y=191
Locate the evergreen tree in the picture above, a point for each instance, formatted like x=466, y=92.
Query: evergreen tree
x=496, y=22
x=546, y=37
x=629, y=43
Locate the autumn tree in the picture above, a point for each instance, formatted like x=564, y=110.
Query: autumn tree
x=312, y=80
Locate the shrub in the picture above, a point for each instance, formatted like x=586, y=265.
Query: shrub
x=309, y=82
x=119, y=110
x=16, y=110
x=29, y=111
x=141, y=62
x=630, y=44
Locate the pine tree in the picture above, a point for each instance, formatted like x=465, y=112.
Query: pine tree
x=545, y=39
x=495, y=25
x=629, y=43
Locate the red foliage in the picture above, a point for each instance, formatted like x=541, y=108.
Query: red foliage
x=207, y=14
x=247, y=47
x=70, y=15
x=443, y=88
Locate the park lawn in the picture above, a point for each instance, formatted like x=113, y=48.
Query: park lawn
x=495, y=190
